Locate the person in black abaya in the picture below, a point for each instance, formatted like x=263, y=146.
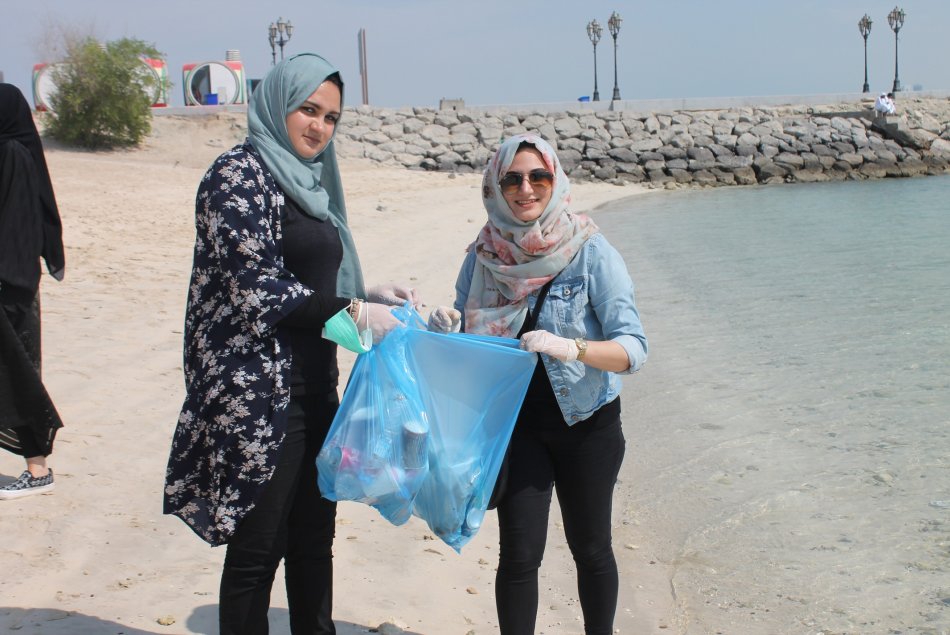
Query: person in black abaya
x=30, y=230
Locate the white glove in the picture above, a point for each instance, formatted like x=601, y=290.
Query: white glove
x=445, y=320
x=393, y=295
x=381, y=320
x=560, y=348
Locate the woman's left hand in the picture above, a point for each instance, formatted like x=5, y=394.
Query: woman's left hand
x=394, y=295
x=548, y=343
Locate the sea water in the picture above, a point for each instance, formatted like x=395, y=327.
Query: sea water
x=788, y=441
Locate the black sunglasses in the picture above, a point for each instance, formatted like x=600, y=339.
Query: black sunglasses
x=512, y=181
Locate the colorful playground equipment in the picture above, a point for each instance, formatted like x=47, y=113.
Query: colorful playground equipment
x=44, y=86
x=215, y=83
x=44, y=83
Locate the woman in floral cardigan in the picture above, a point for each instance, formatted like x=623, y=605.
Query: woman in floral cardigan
x=274, y=260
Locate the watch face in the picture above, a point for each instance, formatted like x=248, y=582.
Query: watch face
x=581, y=346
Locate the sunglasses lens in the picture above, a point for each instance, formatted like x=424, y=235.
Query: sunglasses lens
x=511, y=181
x=541, y=177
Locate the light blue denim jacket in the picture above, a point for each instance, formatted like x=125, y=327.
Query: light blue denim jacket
x=592, y=298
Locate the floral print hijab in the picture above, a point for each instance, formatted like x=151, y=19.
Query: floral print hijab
x=515, y=258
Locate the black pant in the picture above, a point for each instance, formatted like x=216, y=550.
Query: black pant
x=293, y=522
x=582, y=462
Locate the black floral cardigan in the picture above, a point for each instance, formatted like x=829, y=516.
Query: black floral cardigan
x=236, y=362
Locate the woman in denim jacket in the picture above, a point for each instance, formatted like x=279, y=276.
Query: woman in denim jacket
x=587, y=331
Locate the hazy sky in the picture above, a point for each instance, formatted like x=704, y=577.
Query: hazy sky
x=520, y=51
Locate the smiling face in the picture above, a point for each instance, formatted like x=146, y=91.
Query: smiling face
x=529, y=200
x=310, y=126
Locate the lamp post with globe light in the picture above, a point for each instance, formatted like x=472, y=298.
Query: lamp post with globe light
x=281, y=28
x=864, y=26
x=896, y=19
x=613, y=24
x=594, y=31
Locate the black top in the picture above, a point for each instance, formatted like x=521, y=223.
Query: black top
x=539, y=399
x=312, y=252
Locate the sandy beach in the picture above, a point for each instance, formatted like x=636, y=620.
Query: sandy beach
x=97, y=556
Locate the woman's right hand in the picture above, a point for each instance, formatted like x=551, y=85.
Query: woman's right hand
x=381, y=320
x=444, y=319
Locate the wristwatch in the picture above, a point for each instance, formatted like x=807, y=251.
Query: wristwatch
x=581, y=347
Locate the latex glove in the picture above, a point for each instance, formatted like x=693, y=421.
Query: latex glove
x=445, y=320
x=548, y=343
x=381, y=320
x=393, y=295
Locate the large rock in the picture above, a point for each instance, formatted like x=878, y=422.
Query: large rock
x=645, y=145
x=789, y=160
x=768, y=169
x=567, y=127
x=851, y=158
x=940, y=148
x=681, y=176
x=745, y=176
x=436, y=134
x=704, y=177
x=734, y=162
x=873, y=170
x=622, y=155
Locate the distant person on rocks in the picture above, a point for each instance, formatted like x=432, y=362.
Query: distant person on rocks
x=884, y=104
x=30, y=230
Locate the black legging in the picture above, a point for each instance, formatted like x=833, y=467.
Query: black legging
x=291, y=521
x=583, y=462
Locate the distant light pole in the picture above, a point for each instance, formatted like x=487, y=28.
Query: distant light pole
x=896, y=19
x=594, y=31
x=281, y=28
x=613, y=24
x=864, y=26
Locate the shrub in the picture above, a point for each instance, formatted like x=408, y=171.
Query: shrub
x=102, y=97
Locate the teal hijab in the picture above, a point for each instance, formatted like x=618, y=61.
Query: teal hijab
x=314, y=184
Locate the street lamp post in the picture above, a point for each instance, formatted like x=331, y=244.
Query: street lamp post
x=613, y=24
x=864, y=26
x=281, y=29
x=896, y=19
x=594, y=31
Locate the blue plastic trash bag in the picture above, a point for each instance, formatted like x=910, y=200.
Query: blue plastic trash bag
x=424, y=424
x=472, y=389
x=376, y=451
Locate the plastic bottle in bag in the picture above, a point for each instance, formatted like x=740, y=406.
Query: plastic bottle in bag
x=344, y=464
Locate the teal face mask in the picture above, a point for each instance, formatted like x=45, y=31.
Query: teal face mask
x=343, y=330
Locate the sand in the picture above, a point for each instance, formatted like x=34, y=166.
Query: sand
x=97, y=555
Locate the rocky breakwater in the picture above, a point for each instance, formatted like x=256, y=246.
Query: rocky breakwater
x=741, y=146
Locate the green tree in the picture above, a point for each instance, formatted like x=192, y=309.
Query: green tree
x=103, y=94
